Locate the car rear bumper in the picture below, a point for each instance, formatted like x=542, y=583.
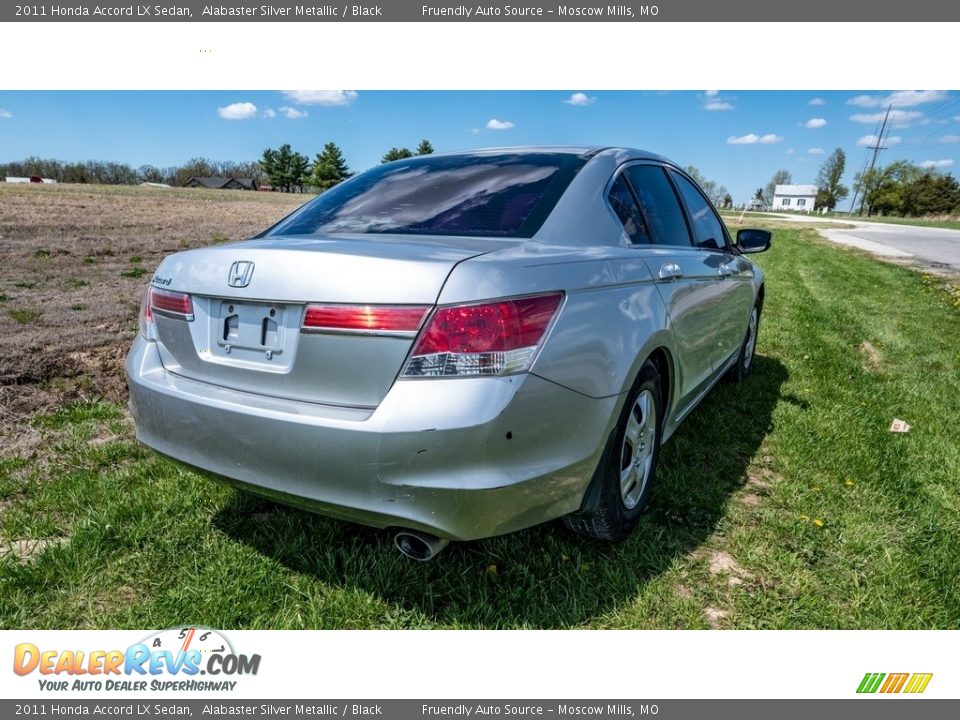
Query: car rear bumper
x=462, y=458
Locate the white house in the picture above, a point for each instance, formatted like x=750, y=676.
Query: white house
x=796, y=198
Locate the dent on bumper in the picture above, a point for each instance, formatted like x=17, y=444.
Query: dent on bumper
x=461, y=458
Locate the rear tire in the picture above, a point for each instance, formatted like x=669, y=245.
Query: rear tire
x=741, y=368
x=621, y=485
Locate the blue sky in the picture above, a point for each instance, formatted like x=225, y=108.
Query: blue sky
x=737, y=138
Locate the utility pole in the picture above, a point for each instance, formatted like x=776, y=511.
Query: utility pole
x=876, y=149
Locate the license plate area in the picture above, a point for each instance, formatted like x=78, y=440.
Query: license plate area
x=244, y=328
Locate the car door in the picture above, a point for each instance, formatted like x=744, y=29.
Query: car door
x=687, y=278
x=734, y=299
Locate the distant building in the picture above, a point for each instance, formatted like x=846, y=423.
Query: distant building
x=222, y=183
x=795, y=198
x=32, y=179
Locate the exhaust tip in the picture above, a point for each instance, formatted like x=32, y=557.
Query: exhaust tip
x=418, y=545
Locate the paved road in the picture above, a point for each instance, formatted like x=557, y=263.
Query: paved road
x=933, y=246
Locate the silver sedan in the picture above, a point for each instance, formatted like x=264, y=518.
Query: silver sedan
x=454, y=346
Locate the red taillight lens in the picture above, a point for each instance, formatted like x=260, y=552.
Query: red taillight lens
x=495, y=338
x=166, y=302
x=399, y=319
x=171, y=303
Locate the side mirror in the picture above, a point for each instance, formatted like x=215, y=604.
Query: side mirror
x=750, y=240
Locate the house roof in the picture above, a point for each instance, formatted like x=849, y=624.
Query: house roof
x=219, y=182
x=795, y=190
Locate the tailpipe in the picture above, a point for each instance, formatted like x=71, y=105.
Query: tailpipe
x=418, y=545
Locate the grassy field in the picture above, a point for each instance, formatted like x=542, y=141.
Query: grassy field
x=951, y=223
x=782, y=503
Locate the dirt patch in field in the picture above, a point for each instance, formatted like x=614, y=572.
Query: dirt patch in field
x=722, y=564
x=751, y=500
x=870, y=356
x=23, y=550
x=74, y=263
x=715, y=617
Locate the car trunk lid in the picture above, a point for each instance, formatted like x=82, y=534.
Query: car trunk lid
x=249, y=301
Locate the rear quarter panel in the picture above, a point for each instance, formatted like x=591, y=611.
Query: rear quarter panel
x=611, y=320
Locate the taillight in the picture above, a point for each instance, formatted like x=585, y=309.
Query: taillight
x=497, y=338
x=147, y=327
x=168, y=302
x=164, y=302
x=364, y=319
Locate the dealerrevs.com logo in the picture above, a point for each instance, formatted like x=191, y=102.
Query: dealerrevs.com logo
x=892, y=683
x=179, y=659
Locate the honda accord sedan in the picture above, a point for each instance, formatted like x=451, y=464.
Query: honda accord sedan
x=454, y=346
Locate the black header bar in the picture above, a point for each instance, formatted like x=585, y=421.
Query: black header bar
x=522, y=11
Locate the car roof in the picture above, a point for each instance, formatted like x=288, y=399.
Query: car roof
x=586, y=151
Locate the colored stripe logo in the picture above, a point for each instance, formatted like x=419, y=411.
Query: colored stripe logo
x=913, y=683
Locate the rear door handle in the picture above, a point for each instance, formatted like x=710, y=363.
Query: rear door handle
x=670, y=271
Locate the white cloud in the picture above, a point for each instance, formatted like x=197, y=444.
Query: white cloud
x=5, y=113
x=238, y=111
x=902, y=98
x=269, y=112
x=815, y=151
x=475, y=131
x=817, y=101
x=950, y=139
x=930, y=164
x=754, y=139
x=580, y=99
x=791, y=151
x=712, y=100
x=494, y=124
x=292, y=113
x=327, y=98
x=896, y=116
x=872, y=140
x=815, y=123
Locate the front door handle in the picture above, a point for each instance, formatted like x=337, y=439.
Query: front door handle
x=670, y=271
x=725, y=271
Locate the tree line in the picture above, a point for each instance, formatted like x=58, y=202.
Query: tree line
x=292, y=171
x=909, y=190
x=283, y=168
x=115, y=173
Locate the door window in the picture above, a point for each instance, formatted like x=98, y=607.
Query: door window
x=659, y=205
x=622, y=201
x=707, y=229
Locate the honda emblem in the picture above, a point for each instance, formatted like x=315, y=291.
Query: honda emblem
x=240, y=274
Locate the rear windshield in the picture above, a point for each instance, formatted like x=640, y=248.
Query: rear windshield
x=503, y=195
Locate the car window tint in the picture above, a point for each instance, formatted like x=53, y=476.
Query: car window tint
x=707, y=228
x=621, y=200
x=508, y=194
x=659, y=205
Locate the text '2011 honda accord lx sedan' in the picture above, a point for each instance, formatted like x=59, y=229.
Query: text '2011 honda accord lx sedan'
x=454, y=346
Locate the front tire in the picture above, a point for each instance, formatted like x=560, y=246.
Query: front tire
x=620, y=489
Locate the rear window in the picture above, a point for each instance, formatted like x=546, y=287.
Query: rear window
x=504, y=195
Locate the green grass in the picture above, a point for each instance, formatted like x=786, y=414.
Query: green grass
x=781, y=503
x=950, y=223
x=24, y=316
